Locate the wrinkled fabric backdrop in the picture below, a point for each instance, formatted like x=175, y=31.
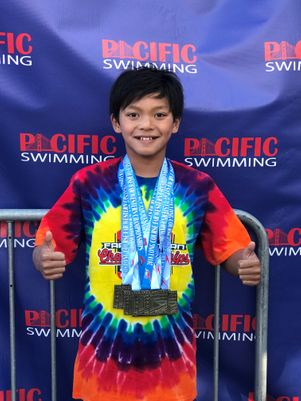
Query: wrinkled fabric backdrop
x=240, y=65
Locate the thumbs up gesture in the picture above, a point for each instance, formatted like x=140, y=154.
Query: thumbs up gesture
x=249, y=266
x=50, y=263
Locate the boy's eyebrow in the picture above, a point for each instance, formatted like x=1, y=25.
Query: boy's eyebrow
x=131, y=106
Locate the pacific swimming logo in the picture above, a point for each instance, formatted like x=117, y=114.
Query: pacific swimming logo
x=67, y=321
x=70, y=148
x=16, y=49
x=232, y=327
x=247, y=151
x=282, y=56
x=176, y=57
x=23, y=234
x=284, y=243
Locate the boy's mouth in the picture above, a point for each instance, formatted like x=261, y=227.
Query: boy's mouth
x=146, y=138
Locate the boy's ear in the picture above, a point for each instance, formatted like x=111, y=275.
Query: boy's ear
x=176, y=125
x=115, y=124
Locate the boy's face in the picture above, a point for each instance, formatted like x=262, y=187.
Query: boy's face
x=146, y=126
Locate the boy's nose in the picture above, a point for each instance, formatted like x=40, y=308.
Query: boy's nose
x=146, y=123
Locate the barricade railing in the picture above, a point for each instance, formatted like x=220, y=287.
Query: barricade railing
x=12, y=215
x=260, y=382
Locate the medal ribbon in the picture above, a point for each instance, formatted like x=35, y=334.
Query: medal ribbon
x=145, y=263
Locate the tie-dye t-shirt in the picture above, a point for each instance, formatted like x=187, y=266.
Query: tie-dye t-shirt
x=138, y=358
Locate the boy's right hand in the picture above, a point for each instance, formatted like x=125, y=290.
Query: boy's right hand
x=50, y=263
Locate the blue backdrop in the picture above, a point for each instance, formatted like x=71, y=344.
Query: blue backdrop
x=239, y=62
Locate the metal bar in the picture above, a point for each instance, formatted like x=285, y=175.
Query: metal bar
x=53, y=340
x=22, y=214
x=10, y=216
x=260, y=389
x=260, y=386
x=12, y=330
x=216, y=332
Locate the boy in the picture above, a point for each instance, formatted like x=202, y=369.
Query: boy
x=137, y=341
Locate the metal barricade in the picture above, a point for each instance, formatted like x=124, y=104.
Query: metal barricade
x=12, y=215
x=260, y=388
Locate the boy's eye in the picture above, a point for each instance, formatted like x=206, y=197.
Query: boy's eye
x=132, y=115
x=160, y=115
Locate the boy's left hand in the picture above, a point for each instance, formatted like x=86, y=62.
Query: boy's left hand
x=249, y=266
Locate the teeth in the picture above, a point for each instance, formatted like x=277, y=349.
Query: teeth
x=146, y=138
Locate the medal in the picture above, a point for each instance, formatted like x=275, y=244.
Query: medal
x=146, y=244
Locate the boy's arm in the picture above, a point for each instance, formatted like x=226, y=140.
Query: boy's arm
x=48, y=262
x=59, y=233
x=245, y=264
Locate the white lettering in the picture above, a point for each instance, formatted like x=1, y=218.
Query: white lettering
x=270, y=66
x=223, y=163
x=66, y=158
x=121, y=64
x=24, y=242
x=230, y=162
x=132, y=64
x=277, y=251
x=42, y=332
x=283, y=65
x=285, y=251
x=225, y=336
x=292, y=65
x=77, y=159
x=76, y=333
x=294, y=252
x=3, y=243
x=59, y=158
x=16, y=60
x=63, y=333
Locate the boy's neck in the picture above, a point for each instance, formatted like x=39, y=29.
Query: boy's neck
x=147, y=168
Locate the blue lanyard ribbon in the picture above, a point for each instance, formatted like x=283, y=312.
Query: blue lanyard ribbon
x=145, y=263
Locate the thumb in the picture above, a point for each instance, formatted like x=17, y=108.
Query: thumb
x=48, y=240
x=249, y=250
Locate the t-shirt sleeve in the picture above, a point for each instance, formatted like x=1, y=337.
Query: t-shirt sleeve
x=222, y=231
x=64, y=220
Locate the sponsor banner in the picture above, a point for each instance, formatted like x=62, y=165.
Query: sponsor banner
x=248, y=120
x=16, y=49
x=67, y=148
x=176, y=57
x=233, y=327
x=243, y=152
x=282, y=56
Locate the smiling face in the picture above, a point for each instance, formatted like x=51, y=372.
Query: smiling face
x=146, y=126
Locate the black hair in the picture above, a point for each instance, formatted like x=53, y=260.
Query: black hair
x=133, y=85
